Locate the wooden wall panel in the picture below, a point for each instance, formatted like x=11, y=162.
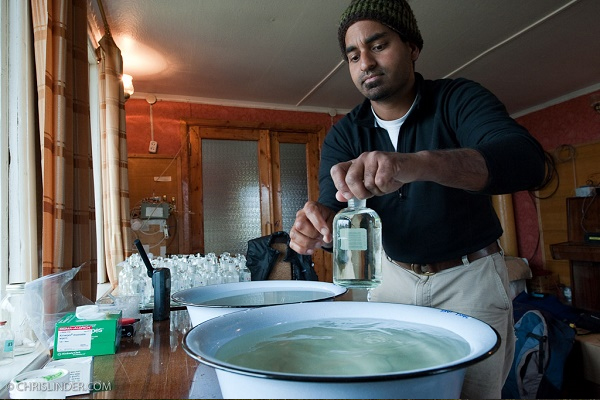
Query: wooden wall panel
x=575, y=165
x=143, y=173
x=503, y=205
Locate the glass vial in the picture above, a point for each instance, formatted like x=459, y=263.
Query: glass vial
x=7, y=341
x=12, y=310
x=245, y=274
x=357, y=249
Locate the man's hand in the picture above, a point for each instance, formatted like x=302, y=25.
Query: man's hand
x=377, y=173
x=371, y=174
x=313, y=228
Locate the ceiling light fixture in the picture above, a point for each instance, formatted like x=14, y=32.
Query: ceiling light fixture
x=127, y=85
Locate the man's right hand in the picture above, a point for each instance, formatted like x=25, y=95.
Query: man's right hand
x=313, y=228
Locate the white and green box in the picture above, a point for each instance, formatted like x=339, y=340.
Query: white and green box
x=75, y=337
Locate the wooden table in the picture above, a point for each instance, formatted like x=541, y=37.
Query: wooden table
x=153, y=365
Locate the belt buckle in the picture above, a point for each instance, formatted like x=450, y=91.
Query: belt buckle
x=418, y=269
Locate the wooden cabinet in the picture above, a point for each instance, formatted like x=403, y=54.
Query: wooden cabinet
x=583, y=215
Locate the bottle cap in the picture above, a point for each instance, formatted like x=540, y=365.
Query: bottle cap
x=14, y=287
x=356, y=202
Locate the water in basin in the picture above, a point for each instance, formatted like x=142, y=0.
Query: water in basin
x=344, y=347
x=254, y=298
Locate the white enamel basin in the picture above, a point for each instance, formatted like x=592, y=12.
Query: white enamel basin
x=206, y=302
x=439, y=381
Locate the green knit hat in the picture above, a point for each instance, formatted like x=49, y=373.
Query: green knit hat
x=395, y=14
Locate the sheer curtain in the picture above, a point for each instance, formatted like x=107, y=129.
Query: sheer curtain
x=115, y=185
x=68, y=228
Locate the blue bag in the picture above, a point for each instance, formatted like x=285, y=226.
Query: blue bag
x=542, y=347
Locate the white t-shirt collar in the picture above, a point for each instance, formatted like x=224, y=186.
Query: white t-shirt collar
x=393, y=126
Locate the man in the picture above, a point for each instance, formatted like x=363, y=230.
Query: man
x=427, y=155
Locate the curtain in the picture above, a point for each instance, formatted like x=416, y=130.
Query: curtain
x=115, y=199
x=68, y=215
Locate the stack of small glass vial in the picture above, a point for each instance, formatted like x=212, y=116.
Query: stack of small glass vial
x=16, y=335
x=187, y=271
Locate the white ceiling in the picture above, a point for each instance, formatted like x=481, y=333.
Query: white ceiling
x=284, y=53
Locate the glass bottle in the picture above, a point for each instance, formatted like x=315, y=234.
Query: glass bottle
x=7, y=341
x=357, y=249
x=12, y=310
x=213, y=277
x=245, y=274
x=230, y=275
x=125, y=280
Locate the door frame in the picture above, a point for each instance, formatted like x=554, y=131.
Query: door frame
x=313, y=149
x=269, y=137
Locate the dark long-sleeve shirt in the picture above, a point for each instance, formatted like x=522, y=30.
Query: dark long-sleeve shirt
x=426, y=222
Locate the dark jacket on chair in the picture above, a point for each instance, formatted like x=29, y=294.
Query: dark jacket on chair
x=262, y=258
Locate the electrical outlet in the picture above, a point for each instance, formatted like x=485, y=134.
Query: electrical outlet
x=153, y=146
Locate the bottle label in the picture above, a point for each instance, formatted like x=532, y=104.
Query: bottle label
x=74, y=338
x=245, y=277
x=8, y=346
x=353, y=239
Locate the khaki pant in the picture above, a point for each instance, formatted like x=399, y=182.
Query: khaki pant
x=479, y=289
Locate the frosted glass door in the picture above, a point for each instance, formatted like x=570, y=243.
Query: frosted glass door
x=230, y=185
x=294, y=188
x=246, y=183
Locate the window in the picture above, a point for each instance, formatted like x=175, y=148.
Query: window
x=3, y=145
x=19, y=148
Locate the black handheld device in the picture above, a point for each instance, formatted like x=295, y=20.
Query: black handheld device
x=149, y=267
x=161, y=281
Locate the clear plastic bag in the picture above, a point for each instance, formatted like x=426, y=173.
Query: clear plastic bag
x=49, y=298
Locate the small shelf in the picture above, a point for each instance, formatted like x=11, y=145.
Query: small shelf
x=578, y=251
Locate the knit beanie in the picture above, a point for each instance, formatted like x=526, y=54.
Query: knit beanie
x=395, y=14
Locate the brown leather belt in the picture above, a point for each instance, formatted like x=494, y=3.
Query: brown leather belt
x=434, y=268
